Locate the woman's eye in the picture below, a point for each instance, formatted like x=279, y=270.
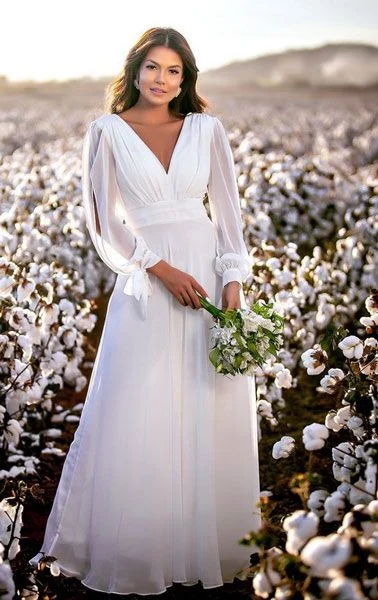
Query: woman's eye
x=154, y=67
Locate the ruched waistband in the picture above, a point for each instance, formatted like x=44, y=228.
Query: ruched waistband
x=166, y=211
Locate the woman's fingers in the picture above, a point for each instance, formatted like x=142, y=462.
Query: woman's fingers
x=199, y=288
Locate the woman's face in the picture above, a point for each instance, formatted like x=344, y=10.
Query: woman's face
x=162, y=69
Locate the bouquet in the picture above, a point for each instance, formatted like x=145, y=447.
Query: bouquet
x=245, y=338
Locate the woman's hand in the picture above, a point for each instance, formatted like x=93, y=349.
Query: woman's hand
x=231, y=295
x=180, y=284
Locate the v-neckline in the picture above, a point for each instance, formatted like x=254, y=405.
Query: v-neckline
x=166, y=173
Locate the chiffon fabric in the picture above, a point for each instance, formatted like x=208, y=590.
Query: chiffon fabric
x=161, y=479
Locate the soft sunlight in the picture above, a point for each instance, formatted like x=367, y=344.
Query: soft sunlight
x=43, y=40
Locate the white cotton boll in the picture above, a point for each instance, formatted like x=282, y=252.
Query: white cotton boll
x=273, y=263
x=325, y=553
x=321, y=273
x=345, y=589
x=21, y=319
x=49, y=314
x=15, y=400
x=71, y=372
x=8, y=587
x=370, y=322
x=283, y=277
x=314, y=359
x=330, y=422
x=264, y=408
x=284, y=447
x=314, y=436
x=27, y=347
x=300, y=526
x=6, y=285
x=22, y=371
x=261, y=585
x=54, y=569
x=334, y=507
x=331, y=380
x=372, y=508
x=324, y=315
x=359, y=494
x=316, y=501
x=80, y=384
x=283, y=379
x=12, y=431
x=25, y=288
x=282, y=593
x=343, y=415
x=69, y=337
x=352, y=347
x=370, y=343
x=11, y=514
x=371, y=304
x=355, y=424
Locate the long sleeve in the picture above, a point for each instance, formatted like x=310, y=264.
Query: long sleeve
x=118, y=246
x=232, y=262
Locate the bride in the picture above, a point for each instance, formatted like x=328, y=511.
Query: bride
x=161, y=480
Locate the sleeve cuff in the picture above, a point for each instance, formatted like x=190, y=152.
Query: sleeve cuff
x=231, y=275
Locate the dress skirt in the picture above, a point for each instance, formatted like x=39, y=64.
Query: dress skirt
x=161, y=479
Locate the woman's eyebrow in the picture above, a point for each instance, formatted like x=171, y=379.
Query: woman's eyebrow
x=156, y=63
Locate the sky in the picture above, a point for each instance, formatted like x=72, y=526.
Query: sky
x=46, y=39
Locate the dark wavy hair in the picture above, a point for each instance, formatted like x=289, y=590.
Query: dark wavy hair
x=121, y=93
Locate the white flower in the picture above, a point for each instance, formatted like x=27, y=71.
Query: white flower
x=325, y=553
x=351, y=346
x=329, y=381
x=300, y=526
x=314, y=359
x=314, y=436
x=283, y=379
x=284, y=447
x=316, y=500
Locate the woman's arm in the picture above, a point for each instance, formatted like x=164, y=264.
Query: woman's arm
x=118, y=246
x=233, y=263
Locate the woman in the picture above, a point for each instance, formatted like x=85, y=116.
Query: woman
x=161, y=479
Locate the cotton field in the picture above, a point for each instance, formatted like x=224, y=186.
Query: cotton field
x=307, y=171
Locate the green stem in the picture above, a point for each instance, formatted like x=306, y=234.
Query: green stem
x=213, y=310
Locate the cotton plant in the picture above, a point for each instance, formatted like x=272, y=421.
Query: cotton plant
x=331, y=544
x=8, y=587
x=42, y=343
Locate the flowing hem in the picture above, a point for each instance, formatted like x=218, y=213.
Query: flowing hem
x=76, y=575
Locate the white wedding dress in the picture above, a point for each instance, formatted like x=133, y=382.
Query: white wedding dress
x=162, y=477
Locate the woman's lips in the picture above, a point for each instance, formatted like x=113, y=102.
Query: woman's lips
x=157, y=91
